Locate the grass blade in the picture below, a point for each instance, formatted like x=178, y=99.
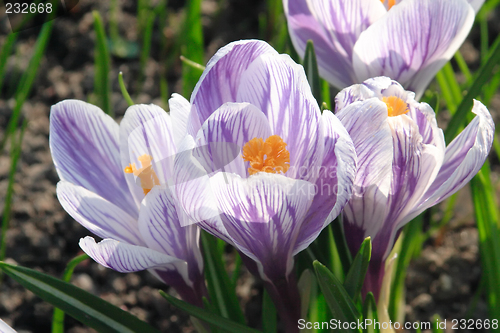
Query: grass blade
x=336, y=297
x=224, y=298
x=24, y=88
x=269, y=316
x=15, y=153
x=484, y=74
x=356, y=275
x=311, y=69
x=102, y=86
x=192, y=47
x=58, y=316
x=81, y=305
x=125, y=93
x=211, y=318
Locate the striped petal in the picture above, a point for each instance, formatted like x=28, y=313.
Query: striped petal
x=366, y=122
x=84, y=147
x=464, y=157
x=147, y=130
x=278, y=86
x=161, y=228
x=123, y=257
x=476, y=4
x=413, y=41
x=335, y=180
x=179, y=112
x=263, y=215
x=97, y=214
x=334, y=27
x=235, y=124
x=220, y=80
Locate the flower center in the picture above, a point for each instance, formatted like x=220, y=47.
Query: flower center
x=146, y=173
x=390, y=3
x=395, y=106
x=270, y=156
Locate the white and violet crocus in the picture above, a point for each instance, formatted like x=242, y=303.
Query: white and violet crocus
x=114, y=183
x=262, y=168
x=406, y=40
x=404, y=165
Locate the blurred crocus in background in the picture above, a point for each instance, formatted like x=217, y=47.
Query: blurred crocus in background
x=114, y=183
x=406, y=40
x=404, y=165
x=290, y=176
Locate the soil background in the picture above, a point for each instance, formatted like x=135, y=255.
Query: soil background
x=444, y=280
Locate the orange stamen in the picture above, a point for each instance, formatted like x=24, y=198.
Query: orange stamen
x=395, y=106
x=390, y=3
x=146, y=173
x=270, y=156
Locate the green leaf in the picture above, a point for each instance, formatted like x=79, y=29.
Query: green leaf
x=485, y=210
x=211, y=318
x=341, y=305
x=81, y=305
x=24, y=88
x=370, y=313
x=102, y=86
x=269, y=317
x=125, y=93
x=192, y=47
x=58, y=316
x=411, y=242
x=311, y=68
x=221, y=295
x=484, y=74
x=15, y=153
x=356, y=275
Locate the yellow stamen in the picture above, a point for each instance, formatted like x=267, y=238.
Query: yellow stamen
x=270, y=156
x=390, y=3
x=395, y=106
x=146, y=173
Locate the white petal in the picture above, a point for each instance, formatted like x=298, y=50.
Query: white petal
x=123, y=257
x=413, y=41
x=84, y=146
x=179, y=113
x=98, y=215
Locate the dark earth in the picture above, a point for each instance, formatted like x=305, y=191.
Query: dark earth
x=444, y=280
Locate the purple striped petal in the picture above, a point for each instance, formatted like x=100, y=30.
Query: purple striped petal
x=235, y=123
x=414, y=167
x=221, y=78
x=335, y=180
x=84, y=147
x=413, y=41
x=123, y=257
x=263, y=215
x=278, y=87
x=147, y=129
x=179, y=112
x=162, y=230
x=334, y=26
x=364, y=215
x=193, y=190
x=97, y=214
x=464, y=157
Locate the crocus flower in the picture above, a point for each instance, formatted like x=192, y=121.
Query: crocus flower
x=406, y=40
x=114, y=183
x=404, y=165
x=291, y=169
